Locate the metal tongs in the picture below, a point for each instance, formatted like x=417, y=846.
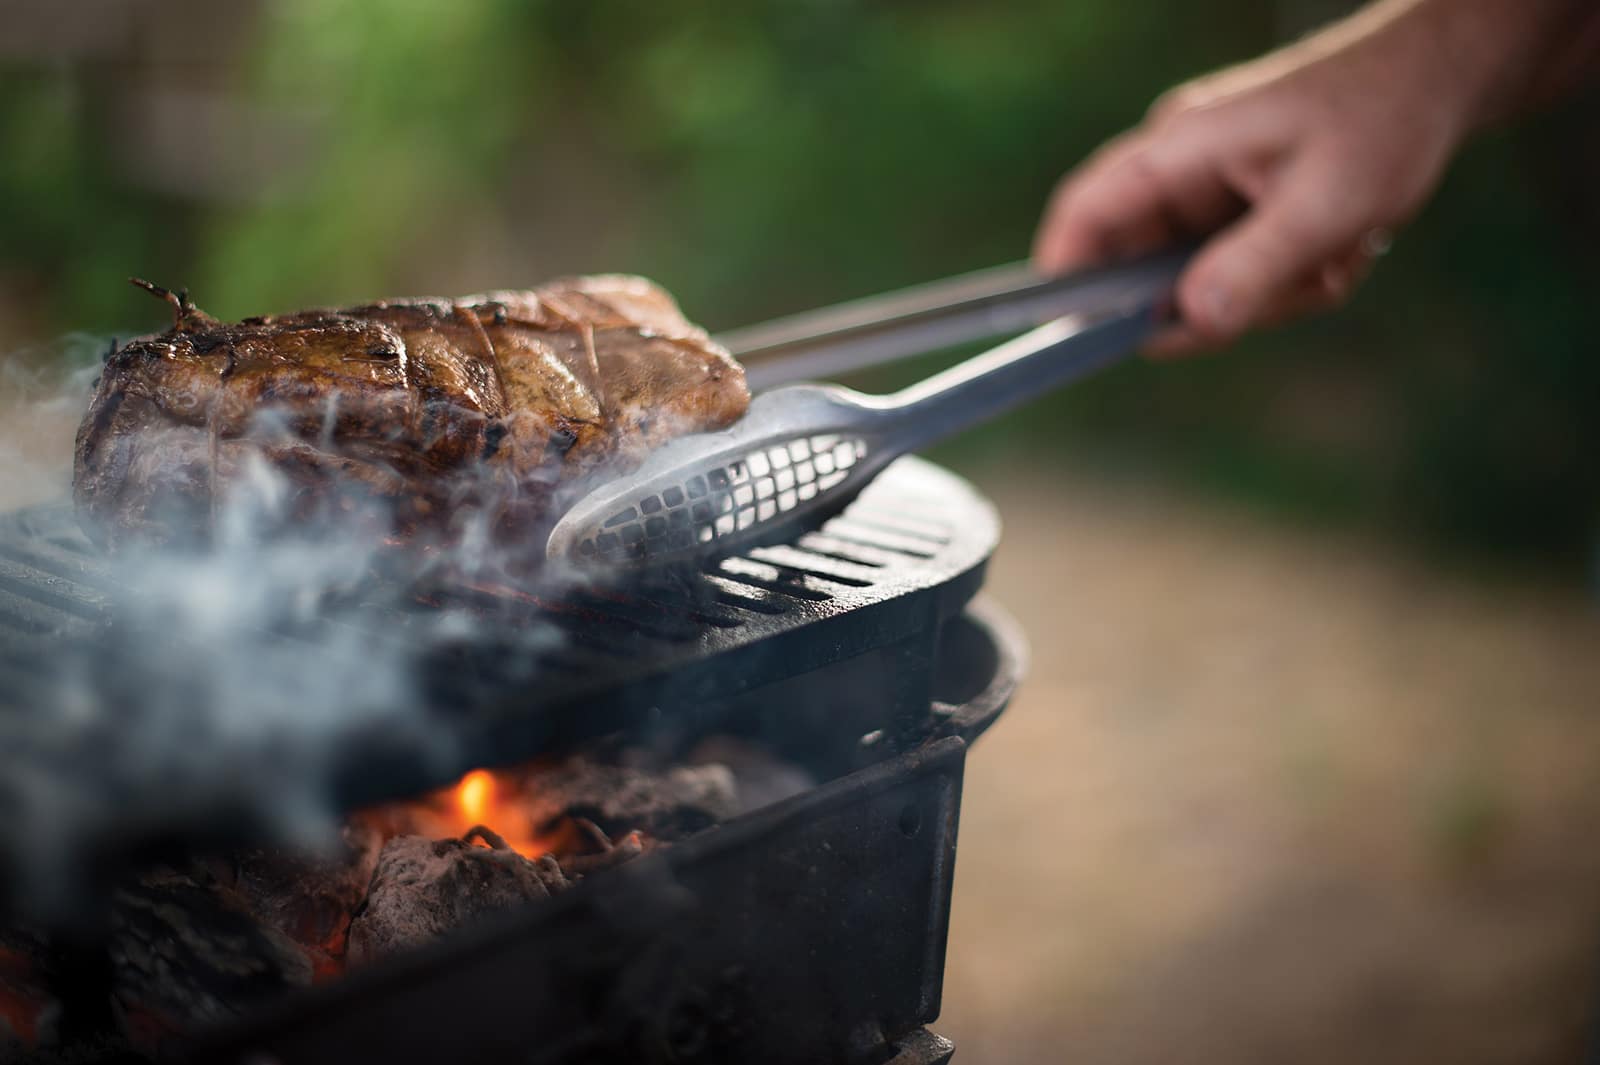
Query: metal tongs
x=804, y=450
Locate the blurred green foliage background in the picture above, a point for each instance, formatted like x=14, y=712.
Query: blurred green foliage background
x=761, y=158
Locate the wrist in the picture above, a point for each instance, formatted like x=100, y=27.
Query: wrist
x=1488, y=60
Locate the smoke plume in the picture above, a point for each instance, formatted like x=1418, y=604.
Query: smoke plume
x=229, y=677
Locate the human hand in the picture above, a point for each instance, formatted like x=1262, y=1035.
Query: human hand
x=1301, y=163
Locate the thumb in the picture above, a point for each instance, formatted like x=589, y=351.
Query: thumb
x=1240, y=277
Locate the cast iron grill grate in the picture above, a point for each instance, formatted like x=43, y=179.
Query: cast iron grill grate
x=913, y=532
x=880, y=576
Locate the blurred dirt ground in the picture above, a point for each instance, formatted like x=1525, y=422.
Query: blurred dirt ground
x=1271, y=794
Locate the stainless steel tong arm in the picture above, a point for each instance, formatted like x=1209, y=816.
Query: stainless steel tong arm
x=833, y=341
x=803, y=450
x=987, y=386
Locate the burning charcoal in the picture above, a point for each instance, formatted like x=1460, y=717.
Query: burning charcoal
x=610, y=853
x=666, y=804
x=426, y=888
x=308, y=897
x=29, y=1011
x=185, y=950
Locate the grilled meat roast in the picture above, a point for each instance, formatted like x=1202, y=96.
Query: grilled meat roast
x=496, y=404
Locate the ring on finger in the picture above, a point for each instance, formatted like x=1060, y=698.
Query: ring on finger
x=1376, y=241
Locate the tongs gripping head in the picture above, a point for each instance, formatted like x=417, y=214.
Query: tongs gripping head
x=752, y=483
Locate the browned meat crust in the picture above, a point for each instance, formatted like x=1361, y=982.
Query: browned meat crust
x=435, y=408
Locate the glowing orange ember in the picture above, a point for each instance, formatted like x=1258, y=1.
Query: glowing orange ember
x=498, y=802
x=20, y=1011
x=474, y=794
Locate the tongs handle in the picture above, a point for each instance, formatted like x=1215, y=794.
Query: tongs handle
x=1006, y=377
x=823, y=344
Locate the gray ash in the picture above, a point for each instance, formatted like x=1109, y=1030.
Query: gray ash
x=423, y=889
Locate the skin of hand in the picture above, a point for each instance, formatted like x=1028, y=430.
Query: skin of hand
x=1299, y=163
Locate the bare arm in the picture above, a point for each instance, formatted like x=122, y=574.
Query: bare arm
x=1303, y=160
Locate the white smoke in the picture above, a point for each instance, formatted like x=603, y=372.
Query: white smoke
x=43, y=392
x=232, y=678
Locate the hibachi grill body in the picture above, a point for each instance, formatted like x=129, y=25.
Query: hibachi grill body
x=811, y=930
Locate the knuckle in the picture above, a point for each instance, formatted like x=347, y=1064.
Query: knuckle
x=1138, y=164
x=1115, y=151
x=1176, y=101
x=1107, y=173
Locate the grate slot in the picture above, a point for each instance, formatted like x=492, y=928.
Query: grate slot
x=843, y=528
x=845, y=551
x=646, y=617
x=669, y=604
x=39, y=617
x=932, y=513
x=577, y=624
x=42, y=587
x=886, y=521
x=608, y=634
x=829, y=569
x=671, y=622
x=774, y=578
x=744, y=597
x=49, y=555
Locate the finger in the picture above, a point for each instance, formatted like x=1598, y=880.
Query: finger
x=1325, y=288
x=1072, y=234
x=1313, y=296
x=1301, y=224
x=1176, y=341
x=1136, y=194
x=1180, y=340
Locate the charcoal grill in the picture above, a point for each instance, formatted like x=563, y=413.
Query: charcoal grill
x=808, y=931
